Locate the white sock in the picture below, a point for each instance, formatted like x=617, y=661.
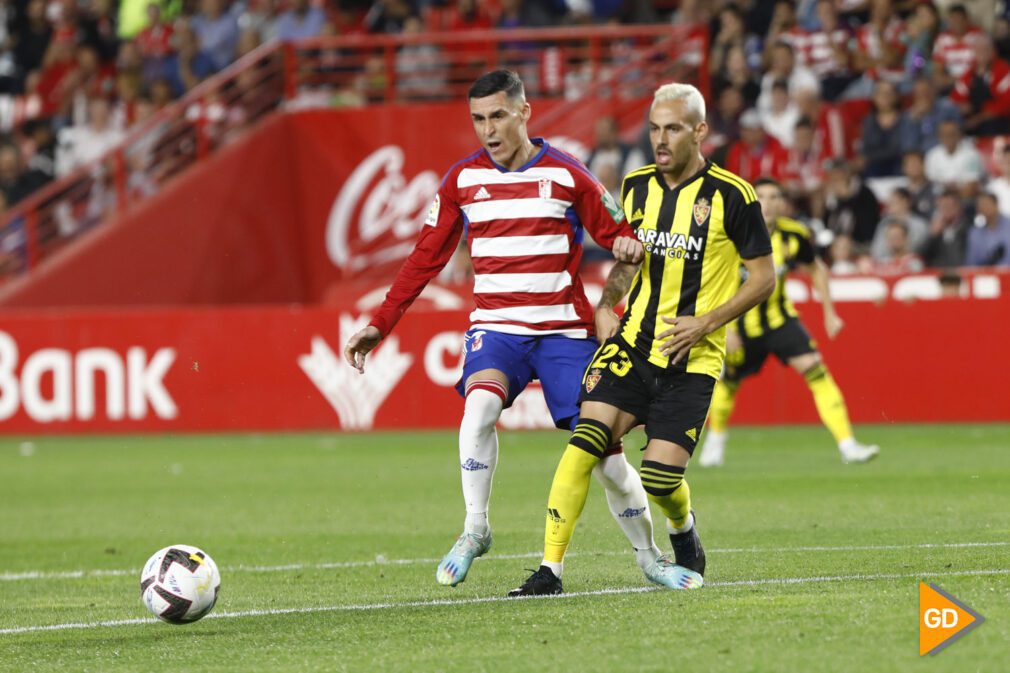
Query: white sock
x=629, y=504
x=687, y=526
x=478, y=456
x=556, y=568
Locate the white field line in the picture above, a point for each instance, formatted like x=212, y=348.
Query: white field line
x=501, y=599
x=82, y=574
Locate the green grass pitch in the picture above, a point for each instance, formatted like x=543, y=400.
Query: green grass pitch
x=328, y=543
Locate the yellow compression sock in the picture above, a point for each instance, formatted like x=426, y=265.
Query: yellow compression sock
x=723, y=400
x=667, y=487
x=829, y=401
x=570, y=487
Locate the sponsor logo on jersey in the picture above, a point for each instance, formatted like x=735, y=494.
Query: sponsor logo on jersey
x=482, y=194
x=611, y=205
x=668, y=244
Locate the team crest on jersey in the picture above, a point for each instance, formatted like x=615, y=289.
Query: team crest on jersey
x=592, y=378
x=545, y=188
x=432, y=218
x=701, y=210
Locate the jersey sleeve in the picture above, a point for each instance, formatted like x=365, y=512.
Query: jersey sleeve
x=600, y=212
x=745, y=226
x=437, y=241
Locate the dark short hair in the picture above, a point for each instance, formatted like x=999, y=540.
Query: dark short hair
x=804, y=123
x=903, y=193
x=780, y=84
x=958, y=9
x=765, y=180
x=499, y=80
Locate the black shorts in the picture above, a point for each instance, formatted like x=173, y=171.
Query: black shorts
x=785, y=342
x=671, y=403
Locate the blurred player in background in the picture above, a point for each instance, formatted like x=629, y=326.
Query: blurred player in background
x=524, y=208
x=660, y=362
x=773, y=327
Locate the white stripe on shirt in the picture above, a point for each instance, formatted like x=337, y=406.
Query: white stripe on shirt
x=515, y=209
x=527, y=314
x=519, y=246
x=521, y=282
x=468, y=177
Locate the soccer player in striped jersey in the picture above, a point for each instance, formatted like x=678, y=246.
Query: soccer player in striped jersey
x=774, y=327
x=661, y=361
x=524, y=208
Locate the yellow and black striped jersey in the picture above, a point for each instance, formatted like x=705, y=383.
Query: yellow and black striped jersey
x=694, y=236
x=791, y=245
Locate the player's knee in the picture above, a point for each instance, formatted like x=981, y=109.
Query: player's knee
x=484, y=402
x=592, y=436
x=659, y=479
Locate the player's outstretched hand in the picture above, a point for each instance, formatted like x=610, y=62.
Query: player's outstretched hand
x=832, y=324
x=607, y=323
x=628, y=249
x=685, y=332
x=359, y=345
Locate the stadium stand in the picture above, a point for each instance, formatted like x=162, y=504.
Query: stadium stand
x=101, y=104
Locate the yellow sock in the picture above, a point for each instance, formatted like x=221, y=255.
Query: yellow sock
x=829, y=401
x=667, y=487
x=723, y=399
x=571, y=485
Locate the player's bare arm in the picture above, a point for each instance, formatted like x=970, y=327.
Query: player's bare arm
x=818, y=271
x=686, y=330
x=617, y=286
x=359, y=345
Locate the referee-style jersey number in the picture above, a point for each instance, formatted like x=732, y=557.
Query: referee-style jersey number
x=620, y=366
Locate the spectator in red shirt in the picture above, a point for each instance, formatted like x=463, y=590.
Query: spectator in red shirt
x=756, y=154
x=880, y=51
x=832, y=132
x=952, y=51
x=804, y=170
x=983, y=93
x=827, y=52
x=155, y=43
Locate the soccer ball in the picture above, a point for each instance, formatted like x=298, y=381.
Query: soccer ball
x=180, y=584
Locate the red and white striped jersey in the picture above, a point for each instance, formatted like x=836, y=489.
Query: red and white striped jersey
x=955, y=53
x=524, y=229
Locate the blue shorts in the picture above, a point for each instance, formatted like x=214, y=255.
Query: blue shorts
x=558, y=361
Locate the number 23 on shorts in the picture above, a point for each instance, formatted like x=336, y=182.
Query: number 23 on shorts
x=619, y=365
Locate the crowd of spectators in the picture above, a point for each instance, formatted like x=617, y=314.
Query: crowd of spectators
x=884, y=119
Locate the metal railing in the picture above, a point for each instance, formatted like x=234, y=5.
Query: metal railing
x=618, y=64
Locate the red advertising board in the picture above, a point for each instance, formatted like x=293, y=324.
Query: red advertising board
x=281, y=369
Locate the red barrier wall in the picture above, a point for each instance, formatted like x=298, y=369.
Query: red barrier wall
x=281, y=369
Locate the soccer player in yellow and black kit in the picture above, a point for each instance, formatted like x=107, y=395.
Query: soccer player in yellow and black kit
x=773, y=327
x=659, y=364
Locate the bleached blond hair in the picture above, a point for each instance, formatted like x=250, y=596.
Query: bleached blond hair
x=694, y=102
